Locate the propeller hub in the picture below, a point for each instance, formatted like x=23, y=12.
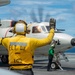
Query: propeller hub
x=73, y=42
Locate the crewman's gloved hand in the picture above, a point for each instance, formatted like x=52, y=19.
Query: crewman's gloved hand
x=52, y=23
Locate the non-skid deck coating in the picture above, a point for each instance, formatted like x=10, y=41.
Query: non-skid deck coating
x=41, y=69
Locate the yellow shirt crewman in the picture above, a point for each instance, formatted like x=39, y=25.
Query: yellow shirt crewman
x=21, y=48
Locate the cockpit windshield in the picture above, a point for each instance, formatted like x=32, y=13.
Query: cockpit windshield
x=48, y=28
x=43, y=29
x=38, y=29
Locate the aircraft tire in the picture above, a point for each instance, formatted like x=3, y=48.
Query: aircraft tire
x=4, y=59
x=54, y=65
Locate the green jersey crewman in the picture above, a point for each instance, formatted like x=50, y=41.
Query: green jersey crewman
x=50, y=57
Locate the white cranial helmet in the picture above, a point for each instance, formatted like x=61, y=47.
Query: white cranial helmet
x=53, y=46
x=20, y=27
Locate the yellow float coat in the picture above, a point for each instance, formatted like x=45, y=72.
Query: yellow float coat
x=21, y=49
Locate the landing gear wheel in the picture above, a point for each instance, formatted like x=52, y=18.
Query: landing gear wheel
x=54, y=65
x=4, y=59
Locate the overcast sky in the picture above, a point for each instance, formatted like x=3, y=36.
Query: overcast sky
x=62, y=10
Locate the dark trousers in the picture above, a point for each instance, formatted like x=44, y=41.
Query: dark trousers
x=24, y=72
x=50, y=58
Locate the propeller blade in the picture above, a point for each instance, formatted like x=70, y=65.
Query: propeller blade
x=14, y=14
x=47, y=17
x=40, y=12
x=33, y=16
x=17, y=14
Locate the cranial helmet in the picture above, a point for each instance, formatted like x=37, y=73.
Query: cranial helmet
x=20, y=27
x=53, y=46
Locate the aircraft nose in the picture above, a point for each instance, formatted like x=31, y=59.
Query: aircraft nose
x=73, y=42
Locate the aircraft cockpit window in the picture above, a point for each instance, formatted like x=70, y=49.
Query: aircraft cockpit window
x=36, y=29
x=13, y=23
x=43, y=28
x=48, y=28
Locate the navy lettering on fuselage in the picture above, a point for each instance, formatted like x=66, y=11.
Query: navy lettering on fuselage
x=58, y=42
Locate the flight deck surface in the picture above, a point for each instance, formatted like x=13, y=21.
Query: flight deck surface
x=41, y=69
